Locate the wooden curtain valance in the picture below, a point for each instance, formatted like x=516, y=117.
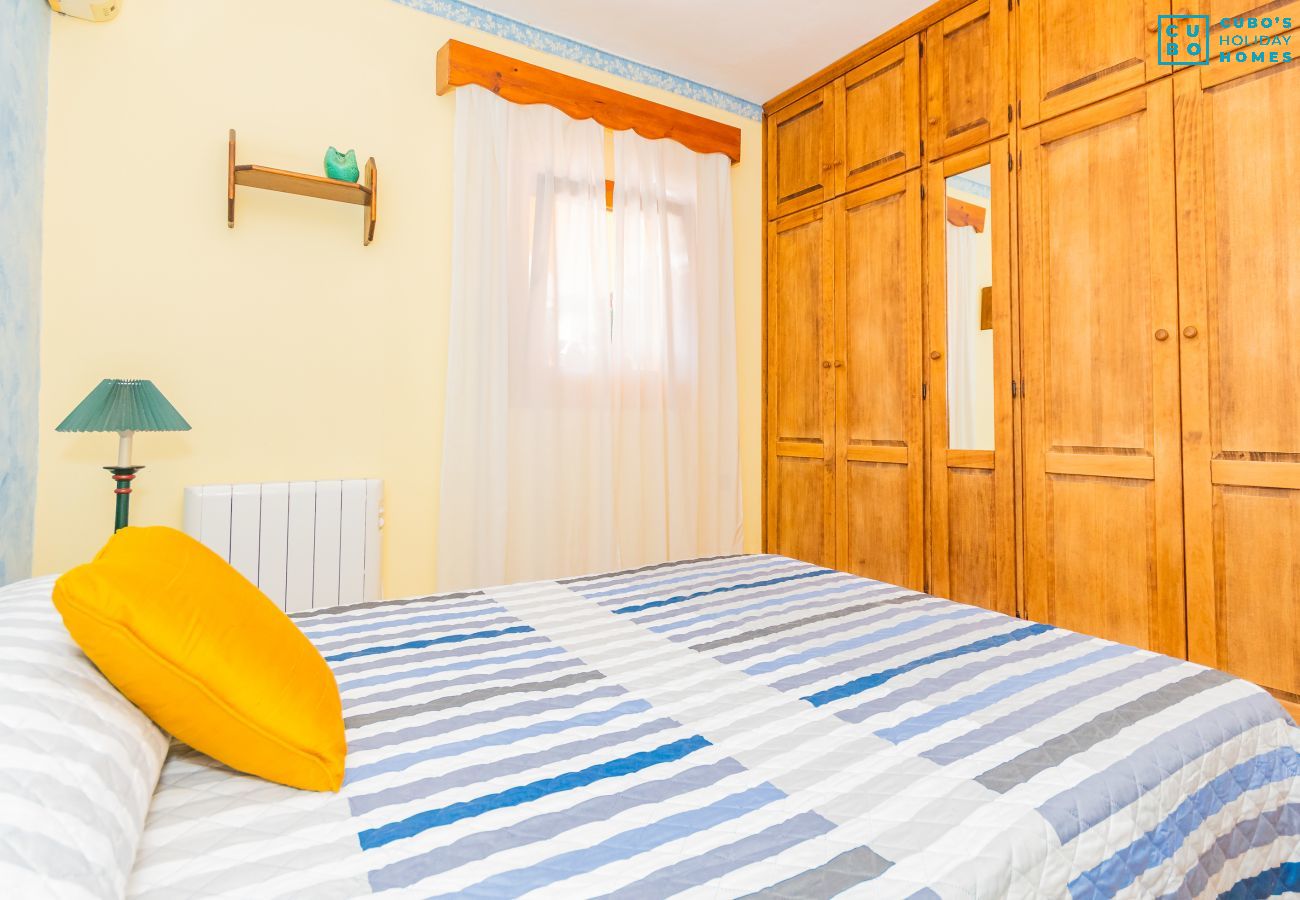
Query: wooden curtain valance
x=962, y=213
x=521, y=82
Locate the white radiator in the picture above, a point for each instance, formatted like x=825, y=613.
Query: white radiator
x=306, y=544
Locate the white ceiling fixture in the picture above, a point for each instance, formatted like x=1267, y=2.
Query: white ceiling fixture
x=753, y=49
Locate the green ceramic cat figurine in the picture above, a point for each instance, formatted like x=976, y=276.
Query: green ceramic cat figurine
x=341, y=166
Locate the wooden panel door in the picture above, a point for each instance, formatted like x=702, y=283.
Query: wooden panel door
x=878, y=433
x=799, y=385
x=882, y=116
x=1239, y=271
x=802, y=152
x=1103, y=493
x=1074, y=52
x=972, y=488
x=967, y=72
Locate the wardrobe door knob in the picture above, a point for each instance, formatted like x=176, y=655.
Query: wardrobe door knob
x=1162, y=335
x=935, y=354
x=1190, y=331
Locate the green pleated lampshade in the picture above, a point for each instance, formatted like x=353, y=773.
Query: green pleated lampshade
x=124, y=404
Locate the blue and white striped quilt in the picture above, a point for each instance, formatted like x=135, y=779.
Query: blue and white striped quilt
x=747, y=726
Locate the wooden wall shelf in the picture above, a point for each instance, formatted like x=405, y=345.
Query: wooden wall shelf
x=365, y=195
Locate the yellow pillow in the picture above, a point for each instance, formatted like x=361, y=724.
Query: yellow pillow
x=207, y=656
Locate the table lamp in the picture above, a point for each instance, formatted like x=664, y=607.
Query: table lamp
x=124, y=405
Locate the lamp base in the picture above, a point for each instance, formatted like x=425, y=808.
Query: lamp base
x=122, y=477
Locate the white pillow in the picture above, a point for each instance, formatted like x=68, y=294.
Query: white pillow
x=78, y=762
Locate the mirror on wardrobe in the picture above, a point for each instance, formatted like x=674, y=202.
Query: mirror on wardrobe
x=970, y=310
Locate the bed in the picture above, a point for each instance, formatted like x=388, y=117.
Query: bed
x=745, y=726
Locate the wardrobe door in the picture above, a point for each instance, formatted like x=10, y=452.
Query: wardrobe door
x=800, y=419
x=882, y=116
x=877, y=365
x=1239, y=271
x=1099, y=306
x=802, y=152
x=967, y=73
x=968, y=282
x=1074, y=52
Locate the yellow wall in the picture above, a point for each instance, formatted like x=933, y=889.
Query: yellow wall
x=293, y=351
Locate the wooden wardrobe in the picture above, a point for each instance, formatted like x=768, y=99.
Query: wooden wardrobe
x=844, y=419
x=1137, y=474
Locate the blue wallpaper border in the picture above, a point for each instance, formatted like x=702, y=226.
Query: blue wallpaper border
x=970, y=185
x=554, y=44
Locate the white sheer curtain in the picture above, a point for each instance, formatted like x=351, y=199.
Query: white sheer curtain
x=527, y=449
x=677, y=458
x=586, y=430
x=970, y=350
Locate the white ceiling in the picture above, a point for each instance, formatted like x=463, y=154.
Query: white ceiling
x=753, y=49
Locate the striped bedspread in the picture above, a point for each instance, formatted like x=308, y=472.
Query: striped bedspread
x=747, y=726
